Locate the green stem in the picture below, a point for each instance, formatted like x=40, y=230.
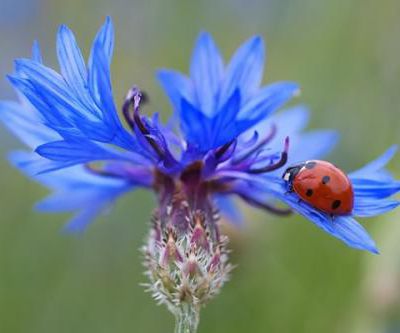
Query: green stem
x=187, y=318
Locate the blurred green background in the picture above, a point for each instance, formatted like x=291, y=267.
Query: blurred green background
x=291, y=277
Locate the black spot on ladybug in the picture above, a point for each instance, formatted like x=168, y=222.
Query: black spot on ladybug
x=309, y=192
x=336, y=204
x=325, y=179
x=310, y=165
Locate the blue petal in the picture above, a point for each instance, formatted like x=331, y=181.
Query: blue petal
x=42, y=76
x=245, y=70
x=76, y=178
x=374, y=169
x=91, y=207
x=312, y=145
x=36, y=54
x=100, y=60
x=83, y=219
x=372, y=207
x=375, y=189
x=67, y=200
x=98, y=69
x=289, y=122
x=76, y=152
x=206, y=71
x=372, y=184
x=25, y=88
x=100, y=83
x=206, y=133
x=194, y=125
x=352, y=233
x=177, y=87
x=269, y=99
x=34, y=165
x=344, y=228
x=52, y=118
x=25, y=124
x=90, y=196
x=31, y=164
x=48, y=92
x=75, y=188
x=105, y=39
x=224, y=126
x=71, y=61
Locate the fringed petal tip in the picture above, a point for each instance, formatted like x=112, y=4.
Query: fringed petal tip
x=376, y=168
x=374, y=186
x=345, y=228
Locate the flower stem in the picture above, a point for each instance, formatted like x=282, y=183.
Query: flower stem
x=187, y=318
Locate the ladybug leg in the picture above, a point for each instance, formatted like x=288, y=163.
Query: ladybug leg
x=333, y=217
x=289, y=189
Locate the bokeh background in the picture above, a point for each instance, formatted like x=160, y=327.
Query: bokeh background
x=291, y=277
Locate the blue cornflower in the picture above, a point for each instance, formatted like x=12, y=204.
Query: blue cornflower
x=230, y=143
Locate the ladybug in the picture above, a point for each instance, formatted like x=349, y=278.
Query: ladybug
x=321, y=185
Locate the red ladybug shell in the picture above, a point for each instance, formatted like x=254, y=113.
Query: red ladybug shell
x=323, y=186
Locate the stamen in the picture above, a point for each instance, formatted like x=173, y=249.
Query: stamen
x=127, y=106
x=282, y=161
x=263, y=142
x=134, y=97
x=221, y=151
x=128, y=102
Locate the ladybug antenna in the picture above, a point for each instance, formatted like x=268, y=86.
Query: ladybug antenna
x=271, y=167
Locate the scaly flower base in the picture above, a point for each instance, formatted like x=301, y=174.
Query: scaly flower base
x=186, y=259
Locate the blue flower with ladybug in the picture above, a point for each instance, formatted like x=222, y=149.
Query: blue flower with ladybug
x=225, y=140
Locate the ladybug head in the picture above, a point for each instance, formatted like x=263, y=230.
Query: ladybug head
x=291, y=172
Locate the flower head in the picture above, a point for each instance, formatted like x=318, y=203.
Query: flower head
x=230, y=142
